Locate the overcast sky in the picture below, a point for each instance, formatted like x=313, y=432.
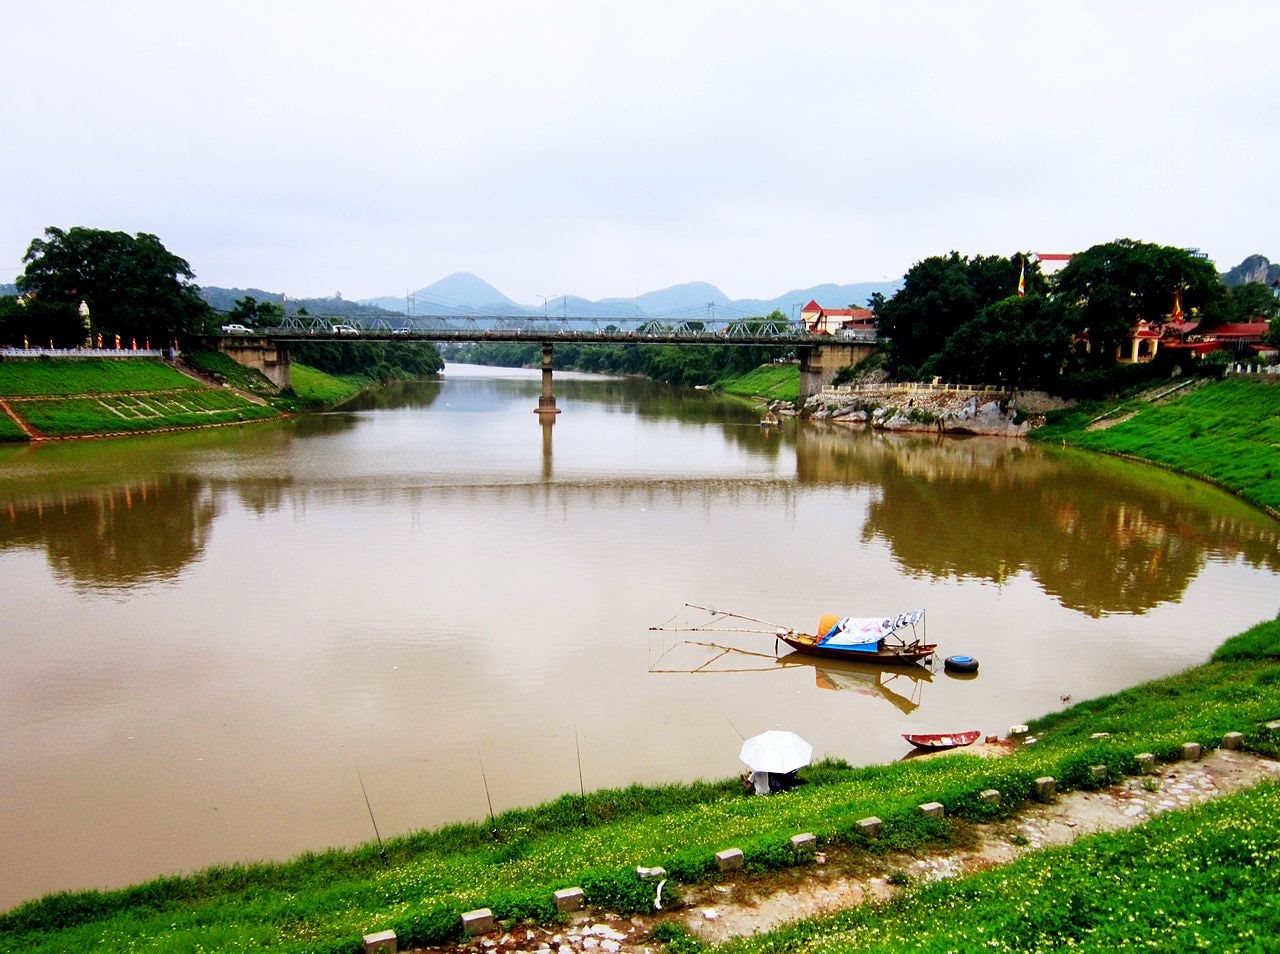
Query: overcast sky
x=604, y=149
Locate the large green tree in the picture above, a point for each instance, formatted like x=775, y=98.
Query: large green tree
x=1018, y=342
x=939, y=295
x=133, y=285
x=1114, y=285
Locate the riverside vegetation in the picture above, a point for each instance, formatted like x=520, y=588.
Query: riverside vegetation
x=79, y=398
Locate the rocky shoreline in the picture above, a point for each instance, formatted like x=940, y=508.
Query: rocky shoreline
x=916, y=408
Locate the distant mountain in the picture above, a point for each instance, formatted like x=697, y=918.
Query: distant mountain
x=465, y=294
x=224, y=299
x=1255, y=268
x=8, y=289
x=829, y=296
x=461, y=293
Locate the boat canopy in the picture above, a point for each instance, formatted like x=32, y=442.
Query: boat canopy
x=862, y=633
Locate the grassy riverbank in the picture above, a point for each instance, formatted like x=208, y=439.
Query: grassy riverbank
x=1227, y=432
x=772, y=382
x=53, y=398
x=421, y=884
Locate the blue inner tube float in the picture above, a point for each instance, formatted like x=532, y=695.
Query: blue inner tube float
x=960, y=664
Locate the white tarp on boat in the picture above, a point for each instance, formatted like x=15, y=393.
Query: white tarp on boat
x=865, y=632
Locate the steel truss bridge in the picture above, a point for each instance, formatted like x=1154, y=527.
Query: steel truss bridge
x=604, y=330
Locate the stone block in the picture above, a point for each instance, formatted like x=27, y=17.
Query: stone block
x=1046, y=788
x=1146, y=762
x=729, y=860
x=1191, y=751
x=1099, y=772
x=1233, y=740
x=870, y=827
x=384, y=942
x=991, y=796
x=931, y=809
x=1273, y=726
x=569, y=899
x=479, y=921
x=807, y=841
x=1018, y=731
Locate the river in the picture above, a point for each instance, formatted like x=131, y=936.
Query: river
x=212, y=639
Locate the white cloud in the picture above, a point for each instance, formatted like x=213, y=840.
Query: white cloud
x=588, y=147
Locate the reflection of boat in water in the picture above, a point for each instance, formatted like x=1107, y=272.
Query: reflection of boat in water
x=901, y=685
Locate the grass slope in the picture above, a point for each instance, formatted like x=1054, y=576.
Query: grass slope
x=774, y=382
x=90, y=376
x=74, y=398
x=1227, y=432
x=1204, y=879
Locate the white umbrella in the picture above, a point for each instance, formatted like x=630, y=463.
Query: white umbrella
x=776, y=751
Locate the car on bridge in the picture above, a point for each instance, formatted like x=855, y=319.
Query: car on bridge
x=234, y=329
x=345, y=330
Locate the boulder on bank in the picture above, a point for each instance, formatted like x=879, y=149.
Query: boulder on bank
x=940, y=410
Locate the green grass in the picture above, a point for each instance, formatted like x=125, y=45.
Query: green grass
x=776, y=382
x=318, y=389
x=325, y=902
x=147, y=395
x=1227, y=432
x=90, y=376
x=1203, y=879
x=140, y=412
x=224, y=369
x=10, y=431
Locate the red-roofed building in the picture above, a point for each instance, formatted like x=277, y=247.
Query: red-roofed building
x=839, y=322
x=1242, y=338
x=1050, y=262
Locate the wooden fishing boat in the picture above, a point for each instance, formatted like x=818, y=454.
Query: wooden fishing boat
x=880, y=640
x=937, y=741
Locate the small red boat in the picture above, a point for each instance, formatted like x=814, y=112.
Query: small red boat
x=937, y=741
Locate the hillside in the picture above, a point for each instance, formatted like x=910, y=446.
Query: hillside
x=1255, y=268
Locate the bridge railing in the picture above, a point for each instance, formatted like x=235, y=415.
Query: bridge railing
x=909, y=387
x=445, y=327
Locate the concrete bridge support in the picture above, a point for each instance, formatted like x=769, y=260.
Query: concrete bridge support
x=547, y=400
x=819, y=363
x=262, y=354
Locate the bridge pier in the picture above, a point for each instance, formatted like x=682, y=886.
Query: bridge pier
x=547, y=400
x=268, y=355
x=819, y=363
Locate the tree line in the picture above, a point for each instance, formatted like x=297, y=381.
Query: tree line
x=986, y=318
x=1001, y=320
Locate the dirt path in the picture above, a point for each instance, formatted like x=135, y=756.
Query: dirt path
x=741, y=906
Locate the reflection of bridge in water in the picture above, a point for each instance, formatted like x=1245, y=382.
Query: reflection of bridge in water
x=819, y=356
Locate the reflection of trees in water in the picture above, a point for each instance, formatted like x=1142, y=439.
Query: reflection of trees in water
x=396, y=394
x=122, y=536
x=1100, y=535
x=737, y=420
